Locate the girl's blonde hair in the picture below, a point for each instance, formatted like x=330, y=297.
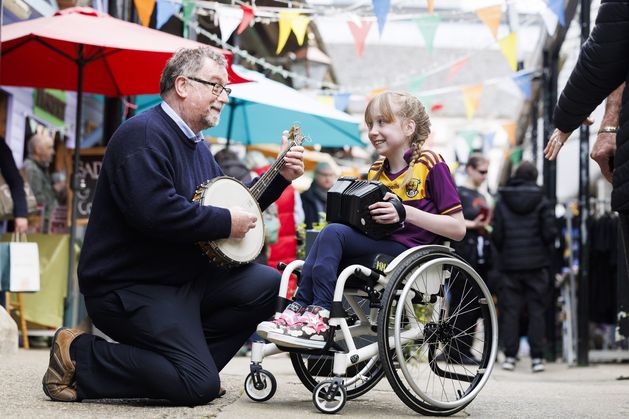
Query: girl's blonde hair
x=408, y=107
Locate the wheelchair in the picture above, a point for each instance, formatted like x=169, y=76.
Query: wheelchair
x=401, y=318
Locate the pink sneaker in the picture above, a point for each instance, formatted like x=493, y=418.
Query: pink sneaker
x=310, y=331
x=287, y=318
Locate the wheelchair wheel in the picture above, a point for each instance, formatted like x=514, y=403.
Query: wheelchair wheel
x=362, y=377
x=329, y=397
x=438, y=322
x=260, y=386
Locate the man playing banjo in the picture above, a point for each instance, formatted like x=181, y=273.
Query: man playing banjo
x=178, y=317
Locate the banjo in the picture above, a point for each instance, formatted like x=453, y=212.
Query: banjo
x=226, y=192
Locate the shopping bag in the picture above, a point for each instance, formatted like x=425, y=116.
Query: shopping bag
x=23, y=265
x=4, y=267
x=6, y=200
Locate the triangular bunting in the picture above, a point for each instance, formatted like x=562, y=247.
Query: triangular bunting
x=489, y=140
x=431, y=6
x=247, y=17
x=456, y=67
x=427, y=101
x=523, y=81
x=326, y=100
x=375, y=92
x=291, y=21
x=508, y=46
x=381, y=10
x=516, y=156
x=510, y=129
x=558, y=9
x=341, y=100
x=360, y=34
x=145, y=10
x=228, y=20
x=491, y=16
x=165, y=10
x=428, y=26
x=471, y=98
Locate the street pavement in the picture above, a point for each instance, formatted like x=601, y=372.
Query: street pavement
x=598, y=391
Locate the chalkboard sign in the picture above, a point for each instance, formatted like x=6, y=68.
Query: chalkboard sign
x=90, y=162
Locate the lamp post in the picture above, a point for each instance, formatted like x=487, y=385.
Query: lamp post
x=312, y=63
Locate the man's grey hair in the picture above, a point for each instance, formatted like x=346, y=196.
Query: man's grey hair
x=186, y=62
x=33, y=142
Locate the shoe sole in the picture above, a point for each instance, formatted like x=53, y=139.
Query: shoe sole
x=52, y=354
x=292, y=342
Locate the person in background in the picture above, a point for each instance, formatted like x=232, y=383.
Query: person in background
x=36, y=167
x=314, y=199
x=474, y=247
x=178, y=317
x=13, y=178
x=523, y=232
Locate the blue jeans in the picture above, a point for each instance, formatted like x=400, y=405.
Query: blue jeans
x=333, y=244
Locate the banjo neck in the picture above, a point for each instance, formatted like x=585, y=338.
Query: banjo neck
x=296, y=138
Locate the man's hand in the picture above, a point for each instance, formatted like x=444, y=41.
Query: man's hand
x=242, y=222
x=603, y=151
x=558, y=139
x=384, y=212
x=293, y=161
x=21, y=224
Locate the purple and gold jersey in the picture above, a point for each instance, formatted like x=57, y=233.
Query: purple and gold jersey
x=430, y=189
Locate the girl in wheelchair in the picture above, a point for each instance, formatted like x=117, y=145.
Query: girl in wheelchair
x=398, y=127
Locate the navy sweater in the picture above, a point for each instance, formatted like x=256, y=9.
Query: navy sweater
x=143, y=226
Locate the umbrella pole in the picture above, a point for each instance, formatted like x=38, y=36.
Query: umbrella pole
x=71, y=313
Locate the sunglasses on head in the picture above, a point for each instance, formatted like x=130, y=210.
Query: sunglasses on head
x=482, y=172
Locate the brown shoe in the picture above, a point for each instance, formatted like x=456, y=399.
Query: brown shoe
x=58, y=382
x=221, y=392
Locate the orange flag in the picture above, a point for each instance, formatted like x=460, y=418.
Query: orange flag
x=471, y=98
x=145, y=10
x=431, y=6
x=510, y=129
x=456, y=67
x=490, y=16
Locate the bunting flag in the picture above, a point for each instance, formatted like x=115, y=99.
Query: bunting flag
x=510, y=129
x=428, y=101
x=456, y=67
x=326, y=100
x=489, y=140
x=557, y=8
x=229, y=18
x=381, y=10
x=341, y=100
x=431, y=6
x=188, y=8
x=165, y=10
x=491, y=16
x=291, y=21
x=550, y=20
x=469, y=135
x=145, y=10
x=247, y=18
x=375, y=92
x=523, y=81
x=471, y=98
x=516, y=156
x=509, y=46
x=360, y=34
x=415, y=85
x=428, y=26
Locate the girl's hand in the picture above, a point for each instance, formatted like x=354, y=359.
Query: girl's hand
x=384, y=212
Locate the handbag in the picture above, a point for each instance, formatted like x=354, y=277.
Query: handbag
x=19, y=265
x=6, y=200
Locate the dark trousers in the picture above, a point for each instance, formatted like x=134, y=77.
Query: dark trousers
x=173, y=340
x=334, y=243
x=524, y=288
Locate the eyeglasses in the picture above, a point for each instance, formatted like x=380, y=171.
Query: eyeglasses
x=482, y=172
x=217, y=88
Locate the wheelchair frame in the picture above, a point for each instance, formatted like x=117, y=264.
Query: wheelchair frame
x=330, y=396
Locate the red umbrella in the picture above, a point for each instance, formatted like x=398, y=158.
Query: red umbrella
x=84, y=50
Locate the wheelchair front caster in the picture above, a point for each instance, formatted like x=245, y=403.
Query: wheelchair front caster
x=260, y=385
x=329, y=396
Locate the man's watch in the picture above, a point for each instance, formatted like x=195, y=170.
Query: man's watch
x=607, y=130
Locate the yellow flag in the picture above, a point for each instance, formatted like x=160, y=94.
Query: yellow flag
x=508, y=46
x=291, y=21
x=145, y=10
x=510, y=129
x=471, y=98
x=326, y=100
x=490, y=16
x=431, y=6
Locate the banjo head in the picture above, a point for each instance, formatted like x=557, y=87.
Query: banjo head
x=228, y=192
